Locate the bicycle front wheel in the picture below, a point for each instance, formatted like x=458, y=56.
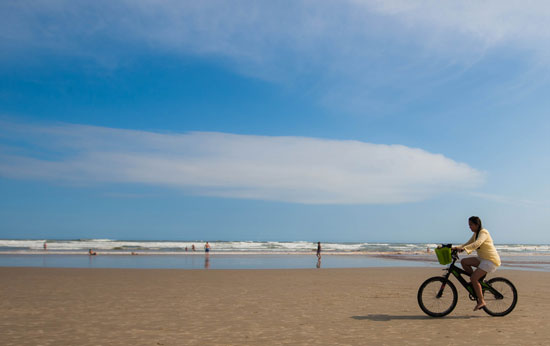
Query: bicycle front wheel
x=501, y=298
x=437, y=297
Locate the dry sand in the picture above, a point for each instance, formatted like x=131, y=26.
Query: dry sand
x=371, y=306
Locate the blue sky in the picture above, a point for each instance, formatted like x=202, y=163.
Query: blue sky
x=291, y=120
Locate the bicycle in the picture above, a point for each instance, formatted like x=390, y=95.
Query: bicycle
x=437, y=296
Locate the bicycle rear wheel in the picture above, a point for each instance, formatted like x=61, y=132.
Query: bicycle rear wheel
x=437, y=297
x=501, y=299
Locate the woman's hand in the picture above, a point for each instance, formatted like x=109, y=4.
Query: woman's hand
x=459, y=249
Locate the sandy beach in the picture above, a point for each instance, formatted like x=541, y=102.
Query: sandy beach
x=374, y=306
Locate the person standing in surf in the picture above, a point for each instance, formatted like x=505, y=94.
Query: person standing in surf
x=319, y=250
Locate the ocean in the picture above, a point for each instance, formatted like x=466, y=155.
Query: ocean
x=243, y=254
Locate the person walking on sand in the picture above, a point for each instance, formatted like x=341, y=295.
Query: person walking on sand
x=487, y=259
x=319, y=250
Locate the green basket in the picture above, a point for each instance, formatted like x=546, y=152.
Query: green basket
x=444, y=255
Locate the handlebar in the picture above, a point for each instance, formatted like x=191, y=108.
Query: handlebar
x=454, y=254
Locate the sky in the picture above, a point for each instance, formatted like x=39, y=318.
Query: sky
x=359, y=121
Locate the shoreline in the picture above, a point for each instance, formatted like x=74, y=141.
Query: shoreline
x=256, y=253
x=245, y=260
x=201, y=253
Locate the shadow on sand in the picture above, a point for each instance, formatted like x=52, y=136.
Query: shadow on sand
x=385, y=318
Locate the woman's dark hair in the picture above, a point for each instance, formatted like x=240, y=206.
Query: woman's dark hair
x=476, y=221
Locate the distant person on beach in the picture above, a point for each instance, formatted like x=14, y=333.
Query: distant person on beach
x=319, y=250
x=186, y=249
x=92, y=253
x=193, y=247
x=486, y=261
x=207, y=248
x=45, y=246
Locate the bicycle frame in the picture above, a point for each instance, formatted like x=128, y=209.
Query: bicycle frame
x=458, y=272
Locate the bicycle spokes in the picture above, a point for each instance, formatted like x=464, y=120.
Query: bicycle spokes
x=494, y=292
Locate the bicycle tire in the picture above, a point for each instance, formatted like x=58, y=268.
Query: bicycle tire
x=428, y=300
x=500, y=306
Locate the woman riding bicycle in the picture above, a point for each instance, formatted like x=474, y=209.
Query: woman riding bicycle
x=486, y=261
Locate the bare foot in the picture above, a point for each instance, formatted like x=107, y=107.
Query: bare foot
x=479, y=306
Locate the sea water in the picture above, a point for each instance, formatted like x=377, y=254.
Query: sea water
x=242, y=254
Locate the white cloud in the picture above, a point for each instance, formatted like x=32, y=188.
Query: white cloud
x=288, y=169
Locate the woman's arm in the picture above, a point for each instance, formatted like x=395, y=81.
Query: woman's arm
x=477, y=243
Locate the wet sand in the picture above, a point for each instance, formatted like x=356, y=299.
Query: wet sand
x=375, y=306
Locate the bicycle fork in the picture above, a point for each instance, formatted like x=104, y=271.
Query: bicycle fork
x=440, y=292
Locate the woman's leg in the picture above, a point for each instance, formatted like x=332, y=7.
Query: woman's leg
x=474, y=279
x=468, y=263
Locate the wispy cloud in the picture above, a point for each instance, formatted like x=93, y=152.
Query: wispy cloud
x=356, y=51
x=261, y=31
x=289, y=169
x=488, y=23
x=502, y=199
